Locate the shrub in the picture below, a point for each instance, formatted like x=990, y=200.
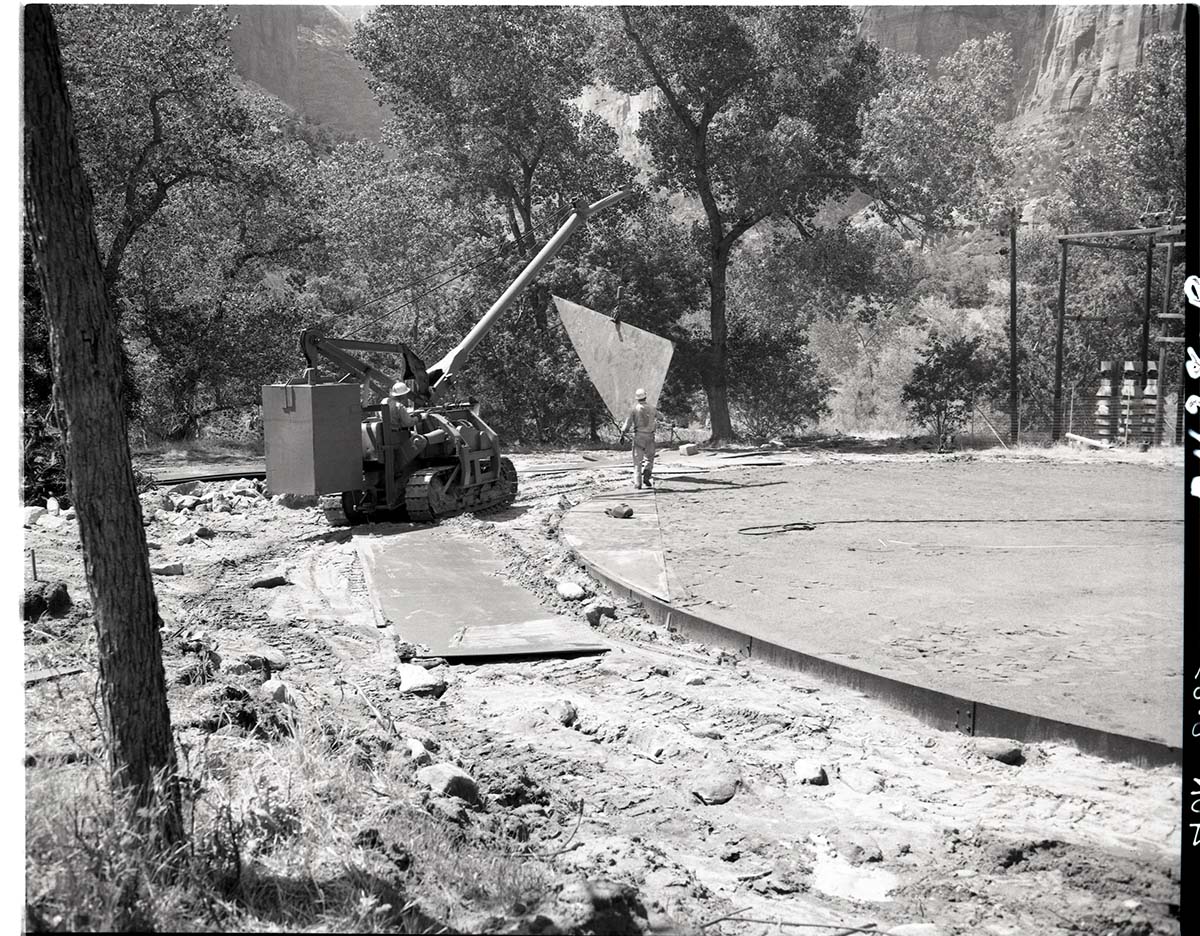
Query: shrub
x=946, y=382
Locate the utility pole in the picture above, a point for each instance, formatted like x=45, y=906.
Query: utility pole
x=1014, y=427
x=1056, y=429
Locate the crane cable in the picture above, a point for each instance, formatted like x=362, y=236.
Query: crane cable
x=492, y=255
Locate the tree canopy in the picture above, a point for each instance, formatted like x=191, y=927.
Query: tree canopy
x=1133, y=147
x=775, y=112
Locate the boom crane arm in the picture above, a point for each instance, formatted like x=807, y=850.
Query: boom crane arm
x=429, y=384
x=442, y=374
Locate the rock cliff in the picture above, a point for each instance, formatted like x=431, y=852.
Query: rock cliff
x=298, y=53
x=1066, y=55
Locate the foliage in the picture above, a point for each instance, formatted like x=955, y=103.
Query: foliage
x=43, y=463
x=929, y=141
x=946, y=382
x=1134, y=146
x=773, y=112
x=776, y=384
x=156, y=109
x=483, y=100
x=759, y=119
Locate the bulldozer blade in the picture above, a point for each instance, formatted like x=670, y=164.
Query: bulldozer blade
x=618, y=357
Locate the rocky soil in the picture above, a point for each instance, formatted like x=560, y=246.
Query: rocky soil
x=662, y=785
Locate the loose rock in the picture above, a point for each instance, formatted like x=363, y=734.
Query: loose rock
x=565, y=712
x=296, y=501
x=278, y=690
x=417, y=752
x=270, y=581
x=571, y=591
x=205, y=532
x=52, y=507
x=32, y=514
x=689, y=448
x=45, y=597
x=597, y=610
x=715, y=786
x=705, y=730
x=419, y=681
x=262, y=659
x=168, y=568
x=694, y=679
x=1001, y=749
x=596, y=906
x=449, y=780
x=810, y=772
x=50, y=521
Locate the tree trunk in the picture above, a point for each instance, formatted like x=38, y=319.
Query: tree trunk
x=716, y=382
x=85, y=350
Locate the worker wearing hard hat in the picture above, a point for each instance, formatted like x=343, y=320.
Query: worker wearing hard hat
x=642, y=420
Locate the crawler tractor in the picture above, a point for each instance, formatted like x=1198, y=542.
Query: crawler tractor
x=415, y=453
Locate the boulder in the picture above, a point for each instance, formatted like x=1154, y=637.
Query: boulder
x=715, y=785
x=186, y=502
x=571, y=591
x=565, y=712
x=417, y=680
x=185, y=488
x=32, y=514
x=446, y=779
x=597, y=610
x=51, y=521
x=52, y=507
x=35, y=603
x=689, y=448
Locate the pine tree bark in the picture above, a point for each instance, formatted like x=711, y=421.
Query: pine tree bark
x=85, y=349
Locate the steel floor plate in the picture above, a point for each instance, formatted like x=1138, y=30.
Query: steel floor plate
x=442, y=591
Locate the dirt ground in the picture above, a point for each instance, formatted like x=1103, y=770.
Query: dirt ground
x=662, y=765
x=1049, y=587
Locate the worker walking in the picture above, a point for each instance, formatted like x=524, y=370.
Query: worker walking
x=642, y=420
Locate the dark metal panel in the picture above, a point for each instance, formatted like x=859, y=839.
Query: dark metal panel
x=998, y=722
x=312, y=438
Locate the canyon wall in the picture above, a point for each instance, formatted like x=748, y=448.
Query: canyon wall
x=1066, y=56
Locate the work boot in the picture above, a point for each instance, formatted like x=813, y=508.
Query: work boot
x=647, y=481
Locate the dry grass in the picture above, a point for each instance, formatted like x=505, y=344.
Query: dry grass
x=305, y=833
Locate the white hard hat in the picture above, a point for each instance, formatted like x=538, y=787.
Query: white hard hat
x=640, y=394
